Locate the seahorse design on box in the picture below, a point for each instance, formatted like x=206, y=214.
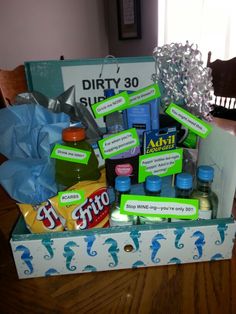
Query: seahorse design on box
x=138, y=264
x=216, y=257
x=26, y=257
x=199, y=243
x=178, y=232
x=69, y=254
x=135, y=235
x=221, y=228
x=90, y=240
x=113, y=250
x=155, y=247
x=174, y=260
x=51, y=272
x=47, y=243
x=90, y=268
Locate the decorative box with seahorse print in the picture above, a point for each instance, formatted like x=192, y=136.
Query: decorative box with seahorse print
x=71, y=252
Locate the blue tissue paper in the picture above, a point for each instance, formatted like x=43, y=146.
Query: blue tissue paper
x=27, y=136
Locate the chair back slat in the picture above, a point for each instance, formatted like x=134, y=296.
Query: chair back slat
x=12, y=83
x=223, y=81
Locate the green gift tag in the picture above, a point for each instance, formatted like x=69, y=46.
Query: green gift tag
x=123, y=101
x=144, y=95
x=196, y=125
x=111, y=104
x=70, y=154
x=118, y=143
x=163, y=207
x=162, y=163
x=71, y=197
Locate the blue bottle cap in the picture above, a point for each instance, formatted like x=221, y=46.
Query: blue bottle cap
x=153, y=183
x=184, y=181
x=109, y=92
x=205, y=173
x=122, y=183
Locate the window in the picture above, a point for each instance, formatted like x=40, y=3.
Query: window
x=210, y=24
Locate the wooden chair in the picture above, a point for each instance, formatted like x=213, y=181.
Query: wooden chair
x=224, y=81
x=12, y=83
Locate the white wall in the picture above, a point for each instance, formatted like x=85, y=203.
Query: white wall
x=47, y=29
x=133, y=47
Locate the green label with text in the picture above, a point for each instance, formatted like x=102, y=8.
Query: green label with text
x=111, y=104
x=162, y=163
x=123, y=101
x=71, y=197
x=118, y=143
x=145, y=94
x=70, y=154
x=163, y=207
x=191, y=122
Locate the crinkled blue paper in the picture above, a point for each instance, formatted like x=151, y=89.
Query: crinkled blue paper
x=27, y=136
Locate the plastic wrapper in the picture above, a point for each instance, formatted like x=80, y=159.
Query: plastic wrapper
x=65, y=103
x=42, y=218
x=190, y=161
x=50, y=216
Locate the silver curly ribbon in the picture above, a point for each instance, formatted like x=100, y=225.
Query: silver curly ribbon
x=183, y=79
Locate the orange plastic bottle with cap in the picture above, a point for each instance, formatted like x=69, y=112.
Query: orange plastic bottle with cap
x=69, y=173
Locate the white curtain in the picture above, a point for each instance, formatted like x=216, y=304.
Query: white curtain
x=211, y=24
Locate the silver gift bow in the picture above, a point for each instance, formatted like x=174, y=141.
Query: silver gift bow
x=183, y=79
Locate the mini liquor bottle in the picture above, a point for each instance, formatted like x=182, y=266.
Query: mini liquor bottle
x=152, y=188
x=183, y=188
x=208, y=200
x=122, y=186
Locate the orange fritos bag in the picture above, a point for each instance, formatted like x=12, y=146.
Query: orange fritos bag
x=92, y=213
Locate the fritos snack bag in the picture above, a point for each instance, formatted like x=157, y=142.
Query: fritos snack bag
x=92, y=213
x=42, y=218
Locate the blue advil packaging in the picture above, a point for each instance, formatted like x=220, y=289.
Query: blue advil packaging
x=159, y=140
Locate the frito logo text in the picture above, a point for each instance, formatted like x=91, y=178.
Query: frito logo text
x=48, y=216
x=93, y=210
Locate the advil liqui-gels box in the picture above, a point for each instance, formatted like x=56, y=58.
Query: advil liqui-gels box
x=159, y=140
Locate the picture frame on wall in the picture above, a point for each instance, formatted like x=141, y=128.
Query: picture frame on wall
x=129, y=19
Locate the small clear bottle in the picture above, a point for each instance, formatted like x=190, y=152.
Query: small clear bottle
x=114, y=120
x=122, y=186
x=208, y=200
x=183, y=188
x=152, y=188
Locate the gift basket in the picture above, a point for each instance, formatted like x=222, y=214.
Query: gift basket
x=145, y=186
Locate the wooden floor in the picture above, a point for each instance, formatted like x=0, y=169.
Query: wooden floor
x=190, y=288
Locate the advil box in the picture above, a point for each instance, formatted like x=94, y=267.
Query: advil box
x=159, y=140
